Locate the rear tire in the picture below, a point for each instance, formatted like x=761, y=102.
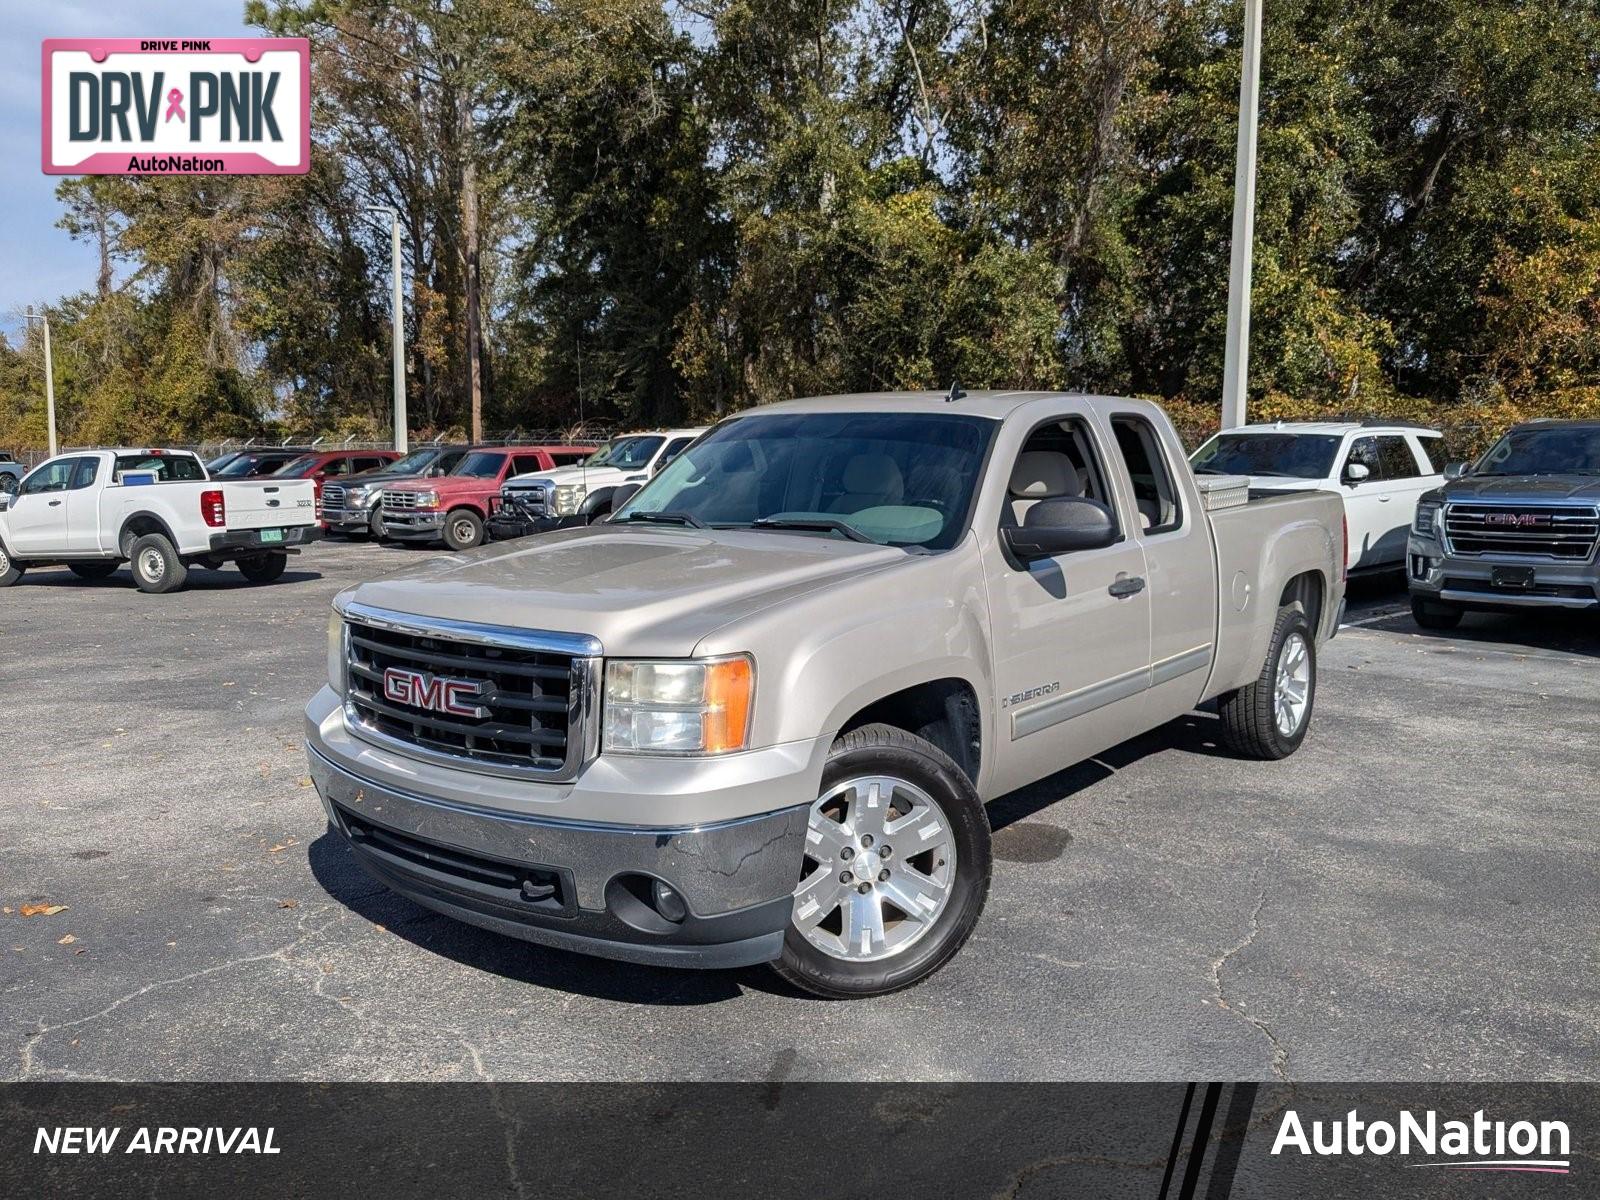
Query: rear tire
x=929, y=851
x=10, y=569
x=1268, y=719
x=1430, y=614
x=262, y=568
x=463, y=529
x=157, y=569
x=93, y=570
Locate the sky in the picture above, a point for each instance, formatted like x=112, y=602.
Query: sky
x=38, y=262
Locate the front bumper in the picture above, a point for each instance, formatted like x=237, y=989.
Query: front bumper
x=1468, y=581
x=343, y=519
x=248, y=541
x=574, y=885
x=408, y=525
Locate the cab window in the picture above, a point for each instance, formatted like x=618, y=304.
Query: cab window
x=52, y=477
x=1058, y=460
x=1396, y=459
x=84, y=472
x=1154, y=492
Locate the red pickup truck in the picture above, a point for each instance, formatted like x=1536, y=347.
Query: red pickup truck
x=453, y=509
x=317, y=465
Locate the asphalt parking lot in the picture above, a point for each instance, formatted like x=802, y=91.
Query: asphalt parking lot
x=1413, y=896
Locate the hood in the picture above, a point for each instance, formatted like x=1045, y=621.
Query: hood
x=369, y=479
x=1528, y=489
x=640, y=590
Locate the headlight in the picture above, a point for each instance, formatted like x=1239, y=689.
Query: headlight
x=679, y=707
x=336, y=651
x=569, y=498
x=427, y=499
x=1426, y=520
x=355, y=496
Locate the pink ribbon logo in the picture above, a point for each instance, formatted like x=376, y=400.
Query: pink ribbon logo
x=175, y=105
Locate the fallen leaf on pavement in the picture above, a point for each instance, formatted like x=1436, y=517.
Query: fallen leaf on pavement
x=66, y=941
x=289, y=904
x=282, y=846
x=42, y=910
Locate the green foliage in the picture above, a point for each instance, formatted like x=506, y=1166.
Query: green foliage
x=682, y=207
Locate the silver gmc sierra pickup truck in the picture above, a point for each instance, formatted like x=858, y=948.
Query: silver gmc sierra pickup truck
x=756, y=714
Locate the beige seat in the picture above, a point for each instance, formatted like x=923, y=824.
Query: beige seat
x=869, y=481
x=1041, y=475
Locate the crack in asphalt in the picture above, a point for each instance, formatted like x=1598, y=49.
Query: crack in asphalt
x=1280, y=1052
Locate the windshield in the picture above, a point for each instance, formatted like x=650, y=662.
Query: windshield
x=248, y=466
x=1544, y=452
x=1292, y=455
x=481, y=464
x=414, y=463
x=625, y=454
x=298, y=466
x=900, y=479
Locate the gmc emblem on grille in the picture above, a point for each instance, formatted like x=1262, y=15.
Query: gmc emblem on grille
x=1520, y=520
x=418, y=689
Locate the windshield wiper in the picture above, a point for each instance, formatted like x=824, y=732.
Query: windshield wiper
x=667, y=518
x=819, y=524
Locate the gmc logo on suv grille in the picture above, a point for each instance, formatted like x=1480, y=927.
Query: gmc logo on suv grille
x=418, y=689
x=1520, y=520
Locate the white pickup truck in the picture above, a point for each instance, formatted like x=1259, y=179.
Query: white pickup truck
x=157, y=510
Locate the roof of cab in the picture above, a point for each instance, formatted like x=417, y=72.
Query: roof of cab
x=996, y=405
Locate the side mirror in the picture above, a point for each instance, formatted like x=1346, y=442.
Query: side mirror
x=1356, y=473
x=1456, y=470
x=621, y=494
x=1061, y=526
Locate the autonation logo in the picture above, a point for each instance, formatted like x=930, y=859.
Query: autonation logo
x=1476, y=1145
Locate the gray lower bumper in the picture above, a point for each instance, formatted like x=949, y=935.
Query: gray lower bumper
x=403, y=524
x=578, y=886
x=1473, y=582
x=347, y=518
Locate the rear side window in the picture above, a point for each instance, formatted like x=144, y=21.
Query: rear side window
x=1432, y=452
x=83, y=474
x=1395, y=458
x=168, y=468
x=1153, y=489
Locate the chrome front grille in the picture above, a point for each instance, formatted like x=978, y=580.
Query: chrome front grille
x=404, y=501
x=1564, y=533
x=332, y=495
x=531, y=697
x=534, y=500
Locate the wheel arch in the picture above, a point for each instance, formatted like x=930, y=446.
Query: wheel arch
x=137, y=525
x=943, y=711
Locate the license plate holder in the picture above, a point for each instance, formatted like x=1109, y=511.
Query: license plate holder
x=271, y=537
x=1512, y=579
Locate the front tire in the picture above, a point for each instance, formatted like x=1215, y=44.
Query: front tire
x=375, y=525
x=1268, y=719
x=1430, y=614
x=463, y=529
x=896, y=869
x=10, y=569
x=157, y=569
x=93, y=570
x=262, y=568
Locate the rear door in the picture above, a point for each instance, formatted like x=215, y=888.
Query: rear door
x=83, y=507
x=1180, y=571
x=37, y=519
x=1071, y=633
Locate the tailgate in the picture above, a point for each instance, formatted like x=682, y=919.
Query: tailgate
x=270, y=503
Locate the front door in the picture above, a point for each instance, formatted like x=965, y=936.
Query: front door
x=38, y=517
x=1071, y=633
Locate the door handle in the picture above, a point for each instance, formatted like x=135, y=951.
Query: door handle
x=1126, y=585
x=1384, y=499
x=55, y=504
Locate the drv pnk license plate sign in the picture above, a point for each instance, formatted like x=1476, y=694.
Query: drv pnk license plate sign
x=169, y=106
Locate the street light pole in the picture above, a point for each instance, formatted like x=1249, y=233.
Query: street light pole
x=397, y=319
x=1236, y=356
x=49, y=379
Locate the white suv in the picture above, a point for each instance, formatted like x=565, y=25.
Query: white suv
x=1381, y=468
